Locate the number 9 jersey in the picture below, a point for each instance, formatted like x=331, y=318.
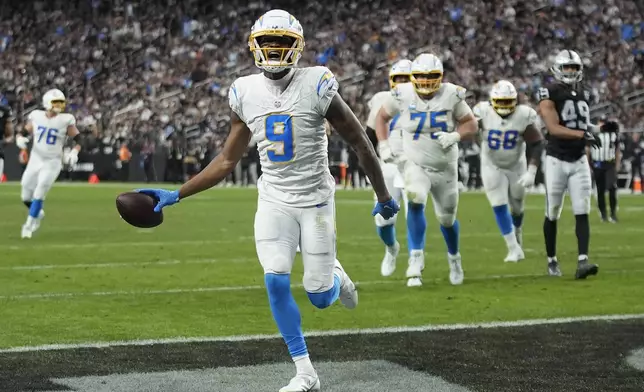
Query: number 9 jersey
x=49, y=134
x=502, y=137
x=289, y=129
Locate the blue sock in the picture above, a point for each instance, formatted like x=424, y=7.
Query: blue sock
x=286, y=313
x=387, y=234
x=451, y=235
x=34, y=209
x=517, y=220
x=416, y=226
x=326, y=298
x=503, y=219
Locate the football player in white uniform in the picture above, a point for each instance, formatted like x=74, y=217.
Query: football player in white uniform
x=505, y=129
x=400, y=73
x=50, y=128
x=434, y=117
x=283, y=109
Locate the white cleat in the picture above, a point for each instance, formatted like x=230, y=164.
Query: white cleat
x=415, y=269
x=388, y=265
x=455, y=269
x=514, y=255
x=348, y=292
x=303, y=383
x=26, y=232
x=414, y=282
x=37, y=221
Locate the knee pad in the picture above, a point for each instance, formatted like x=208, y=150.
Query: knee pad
x=381, y=222
x=446, y=220
x=516, y=206
x=416, y=196
x=277, y=285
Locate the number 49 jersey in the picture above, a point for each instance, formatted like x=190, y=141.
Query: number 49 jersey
x=574, y=113
x=502, y=137
x=49, y=133
x=289, y=129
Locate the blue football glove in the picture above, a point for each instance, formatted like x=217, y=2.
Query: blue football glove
x=163, y=197
x=387, y=209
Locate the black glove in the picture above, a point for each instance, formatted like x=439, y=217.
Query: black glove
x=592, y=140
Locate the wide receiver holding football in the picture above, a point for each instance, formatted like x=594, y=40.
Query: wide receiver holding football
x=283, y=109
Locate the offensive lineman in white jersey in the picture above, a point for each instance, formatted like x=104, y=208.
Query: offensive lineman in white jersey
x=400, y=73
x=505, y=129
x=50, y=128
x=284, y=110
x=434, y=117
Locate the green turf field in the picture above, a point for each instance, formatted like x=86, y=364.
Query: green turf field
x=88, y=276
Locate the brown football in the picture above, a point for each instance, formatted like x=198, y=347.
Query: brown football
x=137, y=209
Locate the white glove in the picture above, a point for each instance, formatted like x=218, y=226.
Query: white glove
x=72, y=157
x=527, y=180
x=448, y=139
x=385, y=151
x=22, y=142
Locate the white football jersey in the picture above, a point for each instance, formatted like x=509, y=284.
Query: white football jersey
x=421, y=119
x=395, y=132
x=289, y=129
x=502, y=137
x=49, y=133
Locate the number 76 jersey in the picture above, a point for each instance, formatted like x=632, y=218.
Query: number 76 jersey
x=290, y=132
x=49, y=133
x=502, y=137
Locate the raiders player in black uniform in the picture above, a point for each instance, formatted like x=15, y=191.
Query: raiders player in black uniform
x=564, y=108
x=6, y=130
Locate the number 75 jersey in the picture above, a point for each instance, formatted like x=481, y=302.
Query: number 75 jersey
x=502, y=137
x=420, y=121
x=290, y=132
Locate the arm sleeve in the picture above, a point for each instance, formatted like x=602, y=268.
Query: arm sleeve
x=326, y=89
x=461, y=109
x=233, y=100
x=392, y=103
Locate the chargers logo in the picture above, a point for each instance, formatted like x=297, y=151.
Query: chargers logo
x=326, y=80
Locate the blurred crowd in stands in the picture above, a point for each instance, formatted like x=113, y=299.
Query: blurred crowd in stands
x=152, y=76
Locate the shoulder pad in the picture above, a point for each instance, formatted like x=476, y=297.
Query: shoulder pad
x=460, y=92
x=325, y=81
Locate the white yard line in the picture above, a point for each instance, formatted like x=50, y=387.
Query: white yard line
x=33, y=244
x=122, y=265
x=50, y=295
x=337, y=332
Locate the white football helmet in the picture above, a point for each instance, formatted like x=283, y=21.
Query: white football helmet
x=426, y=73
x=503, y=97
x=400, y=68
x=568, y=67
x=276, y=41
x=54, y=101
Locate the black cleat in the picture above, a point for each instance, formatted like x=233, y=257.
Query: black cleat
x=613, y=219
x=553, y=268
x=585, y=269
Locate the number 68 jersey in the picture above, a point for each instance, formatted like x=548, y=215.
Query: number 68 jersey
x=49, y=133
x=289, y=129
x=502, y=137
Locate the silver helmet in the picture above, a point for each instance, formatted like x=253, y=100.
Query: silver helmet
x=568, y=67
